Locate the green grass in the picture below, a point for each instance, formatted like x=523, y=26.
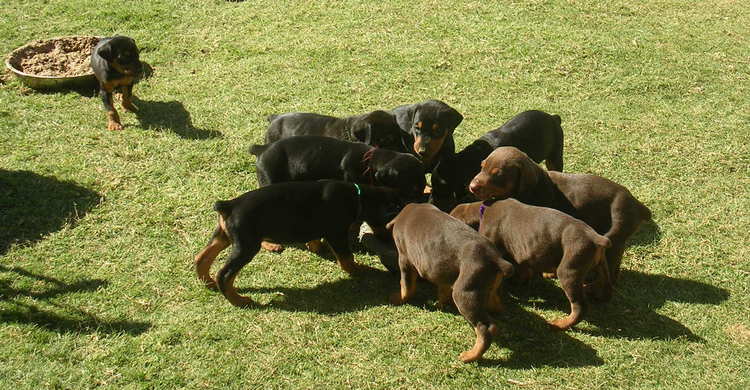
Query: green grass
x=98, y=229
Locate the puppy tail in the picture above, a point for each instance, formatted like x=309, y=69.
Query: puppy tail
x=506, y=267
x=389, y=225
x=271, y=117
x=257, y=150
x=600, y=240
x=224, y=207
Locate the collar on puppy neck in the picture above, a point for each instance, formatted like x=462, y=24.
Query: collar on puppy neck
x=359, y=200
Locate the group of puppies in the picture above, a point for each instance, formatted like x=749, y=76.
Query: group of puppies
x=491, y=211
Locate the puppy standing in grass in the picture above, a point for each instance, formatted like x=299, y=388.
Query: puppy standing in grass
x=466, y=267
x=289, y=213
x=116, y=65
x=541, y=239
x=604, y=205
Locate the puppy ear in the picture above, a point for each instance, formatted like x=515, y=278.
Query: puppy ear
x=528, y=175
x=454, y=118
x=405, y=116
x=105, y=51
x=362, y=132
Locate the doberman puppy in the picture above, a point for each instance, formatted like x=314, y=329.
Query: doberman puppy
x=427, y=129
x=536, y=133
x=377, y=128
x=290, y=213
x=315, y=157
x=466, y=267
x=116, y=64
x=541, y=239
x=606, y=206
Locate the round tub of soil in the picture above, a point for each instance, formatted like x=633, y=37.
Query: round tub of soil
x=54, y=63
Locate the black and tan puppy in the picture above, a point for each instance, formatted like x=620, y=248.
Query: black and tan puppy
x=536, y=133
x=290, y=213
x=377, y=128
x=466, y=267
x=314, y=157
x=117, y=66
x=427, y=129
x=606, y=206
x=543, y=240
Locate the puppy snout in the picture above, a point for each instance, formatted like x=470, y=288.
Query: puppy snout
x=474, y=187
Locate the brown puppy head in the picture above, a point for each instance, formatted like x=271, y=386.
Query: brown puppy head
x=506, y=172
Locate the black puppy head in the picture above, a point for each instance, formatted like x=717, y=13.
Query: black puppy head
x=404, y=172
x=122, y=55
x=378, y=128
x=430, y=123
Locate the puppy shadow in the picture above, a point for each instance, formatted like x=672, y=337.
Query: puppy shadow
x=366, y=288
x=534, y=344
x=648, y=233
x=32, y=206
x=631, y=312
x=59, y=317
x=154, y=115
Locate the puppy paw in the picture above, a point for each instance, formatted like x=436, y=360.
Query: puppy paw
x=314, y=246
x=469, y=356
x=561, y=324
x=114, y=126
x=271, y=247
x=395, y=299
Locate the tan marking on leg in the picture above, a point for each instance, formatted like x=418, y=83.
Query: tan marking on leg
x=205, y=259
x=494, y=303
x=272, y=247
x=445, y=296
x=113, y=121
x=231, y=294
x=408, y=288
x=481, y=344
x=314, y=246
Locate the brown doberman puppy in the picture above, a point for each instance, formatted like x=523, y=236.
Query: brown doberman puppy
x=606, y=206
x=288, y=213
x=541, y=239
x=466, y=267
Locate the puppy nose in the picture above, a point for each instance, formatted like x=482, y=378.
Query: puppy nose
x=474, y=187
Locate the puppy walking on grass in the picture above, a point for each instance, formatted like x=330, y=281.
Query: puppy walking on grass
x=466, y=267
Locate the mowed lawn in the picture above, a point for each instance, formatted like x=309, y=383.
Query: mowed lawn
x=98, y=229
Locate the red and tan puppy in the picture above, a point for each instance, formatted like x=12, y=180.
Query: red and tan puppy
x=466, y=267
x=543, y=240
x=604, y=205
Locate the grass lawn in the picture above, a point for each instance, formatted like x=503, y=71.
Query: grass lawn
x=98, y=228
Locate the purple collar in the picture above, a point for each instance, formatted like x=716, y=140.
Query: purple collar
x=482, y=207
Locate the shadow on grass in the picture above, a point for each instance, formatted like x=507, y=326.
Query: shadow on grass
x=170, y=115
x=648, y=233
x=33, y=206
x=367, y=289
x=631, y=313
x=73, y=320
